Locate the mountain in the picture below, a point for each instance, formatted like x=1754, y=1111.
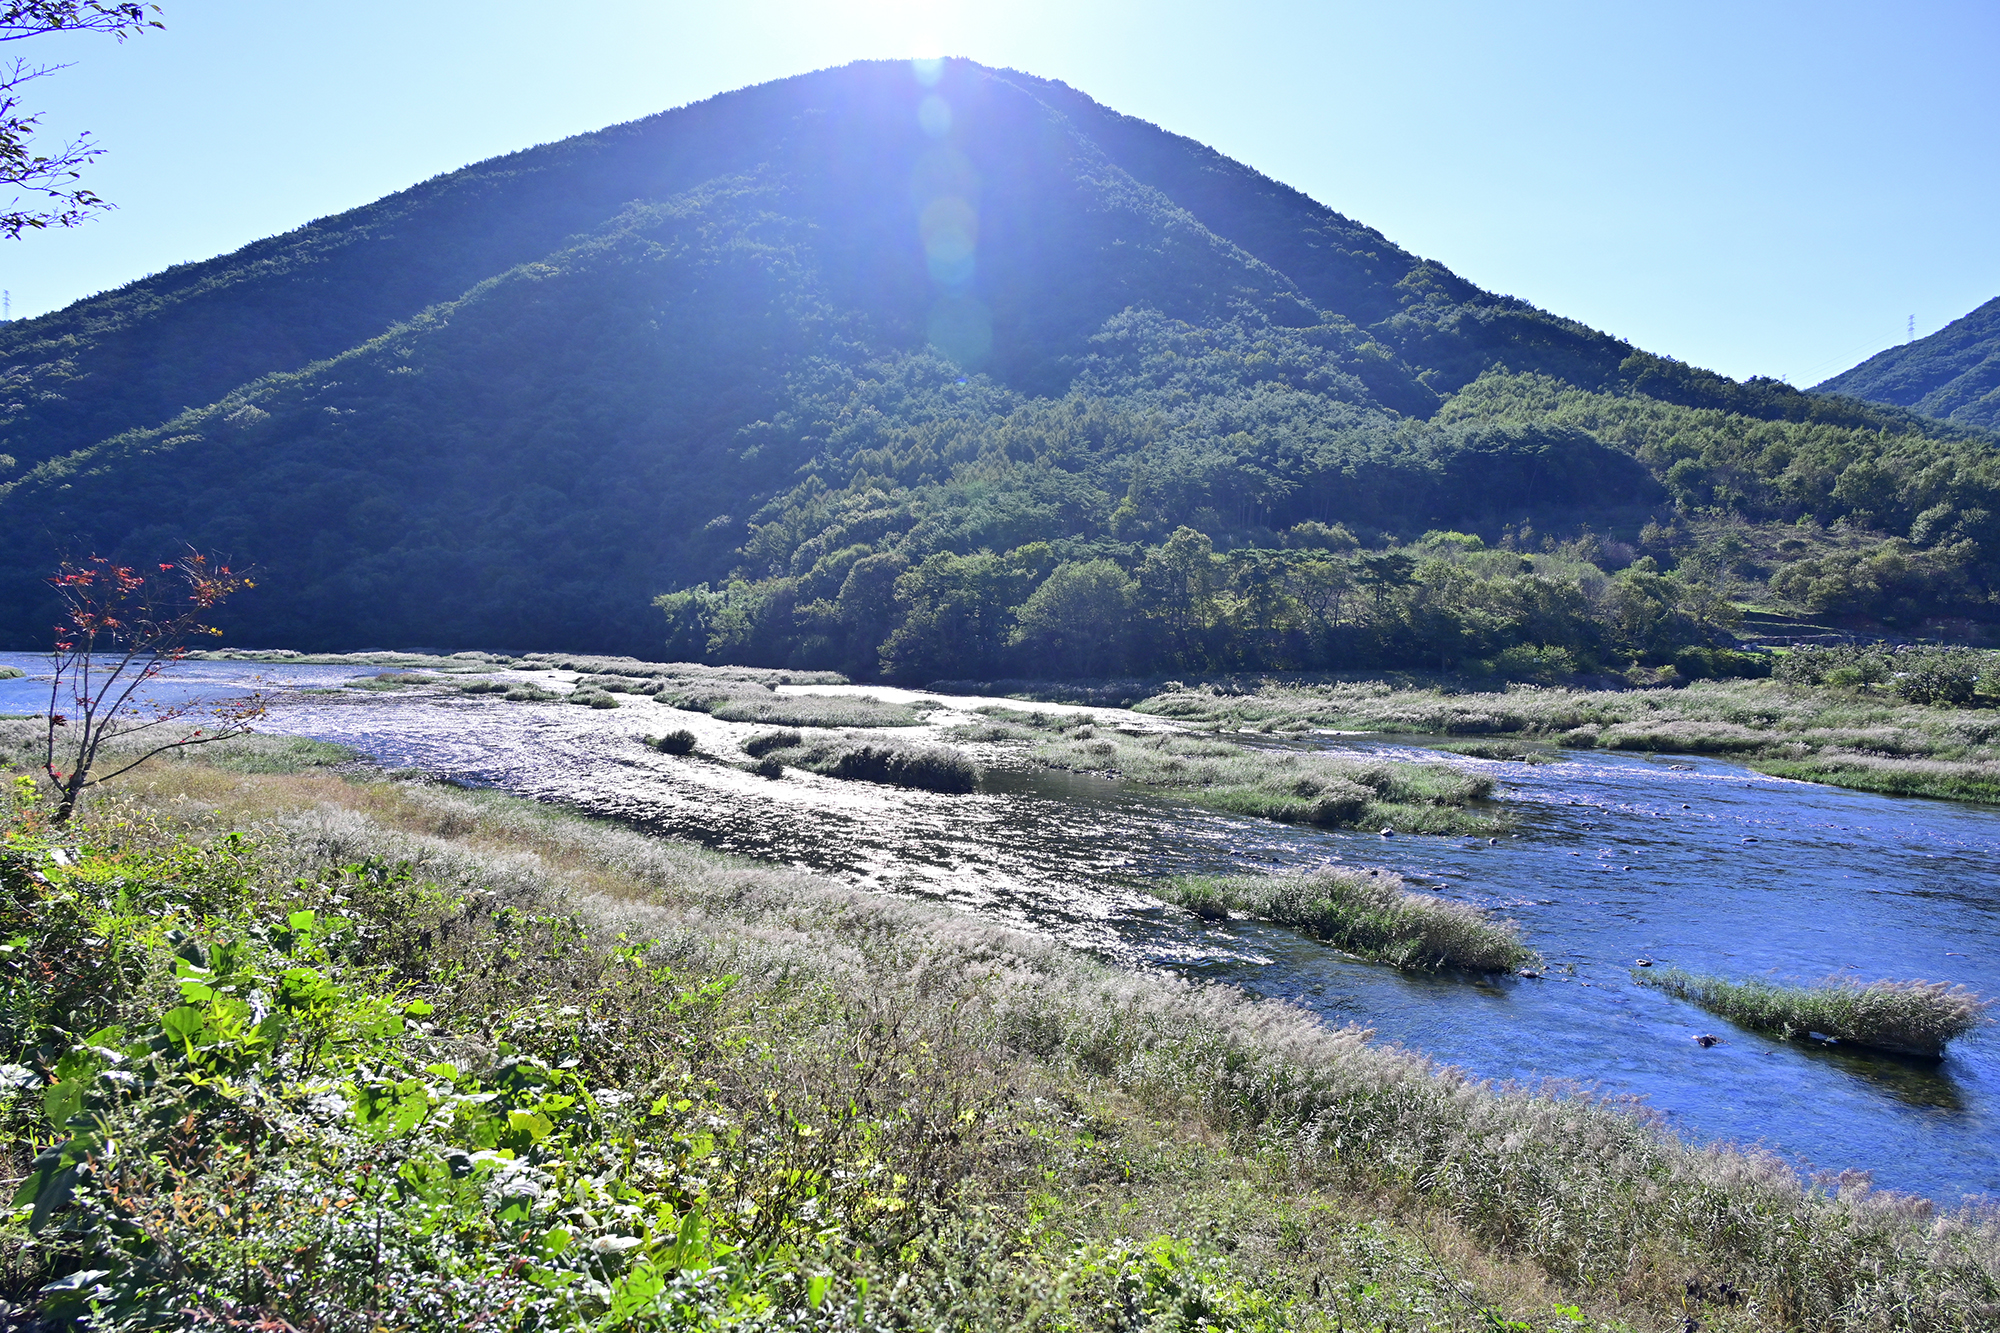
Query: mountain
x=862, y=354
x=1954, y=374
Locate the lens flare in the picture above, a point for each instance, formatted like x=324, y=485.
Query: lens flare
x=928, y=69
x=961, y=330
x=950, y=230
x=934, y=115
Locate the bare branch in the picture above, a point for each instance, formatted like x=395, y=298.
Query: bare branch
x=121, y=629
x=195, y=739
x=35, y=18
x=48, y=194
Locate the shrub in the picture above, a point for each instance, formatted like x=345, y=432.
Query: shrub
x=1535, y=662
x=674, y=742
x=1364, y=912
x=764, y=742
x=1944, y=678
x=1698, y=663
x=1910, y=1017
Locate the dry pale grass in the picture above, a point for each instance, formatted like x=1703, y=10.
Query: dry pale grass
x=1532, y=1190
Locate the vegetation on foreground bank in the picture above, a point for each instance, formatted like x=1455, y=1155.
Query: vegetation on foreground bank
x=1872, y=742
x=1909, y=1017
x=1367, y=912
x=1298, y=787
x=353, y=1053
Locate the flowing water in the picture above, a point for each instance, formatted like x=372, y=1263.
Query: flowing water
x=1612, y=858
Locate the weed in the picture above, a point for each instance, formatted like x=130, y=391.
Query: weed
x=1365, y=912
x=1911, y=1017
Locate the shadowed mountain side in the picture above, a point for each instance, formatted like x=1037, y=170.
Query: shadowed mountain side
x=797, y=340
x=137, y=356
x=1954, y=374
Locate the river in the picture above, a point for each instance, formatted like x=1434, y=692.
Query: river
x=1612, y=858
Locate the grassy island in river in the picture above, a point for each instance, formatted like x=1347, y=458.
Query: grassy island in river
x=1843, y=736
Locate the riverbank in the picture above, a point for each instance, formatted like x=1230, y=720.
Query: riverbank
x=1842, y=737
x=1019, y=1132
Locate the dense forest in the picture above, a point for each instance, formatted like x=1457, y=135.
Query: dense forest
x=1954, y=373
x=937, y=377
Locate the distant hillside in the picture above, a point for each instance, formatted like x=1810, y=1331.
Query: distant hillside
x=850, y=357
x=1954, y=374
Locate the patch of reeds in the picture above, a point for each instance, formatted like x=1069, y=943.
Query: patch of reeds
x=1366, y=912
x=753, y=703
x=1942, y=779
x=686, y=673
x=1291, y=786
x=1909, y=1017
x=896, y=763
x=396, y=680
x=1868, y=742
x=1511, y=751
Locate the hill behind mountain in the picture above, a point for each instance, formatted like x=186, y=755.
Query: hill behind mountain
x=1953, y=374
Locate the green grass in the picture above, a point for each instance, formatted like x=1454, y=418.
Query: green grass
x=897, y=763
x=1291, y=786
x=1937, y=778
x=396, y=680
x=685, y=674
x=257, y=753
x=1364, y=912
x=1507, y=750
x=751, y=703
x=1910, y=1017
x=1853, y=738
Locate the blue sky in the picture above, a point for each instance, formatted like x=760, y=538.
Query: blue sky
x=1761, y=188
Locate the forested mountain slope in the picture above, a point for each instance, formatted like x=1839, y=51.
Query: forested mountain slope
x=1953, y=374
x=860, y=355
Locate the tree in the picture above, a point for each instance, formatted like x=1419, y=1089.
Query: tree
x=1079, y=619
x=956, y=614
x=49, y=180
x=1177, y=583
x=121, y=629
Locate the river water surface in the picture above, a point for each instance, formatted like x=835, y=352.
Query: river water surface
x=1611, y=858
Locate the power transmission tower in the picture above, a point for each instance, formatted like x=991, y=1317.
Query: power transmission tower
x=1910, y=330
